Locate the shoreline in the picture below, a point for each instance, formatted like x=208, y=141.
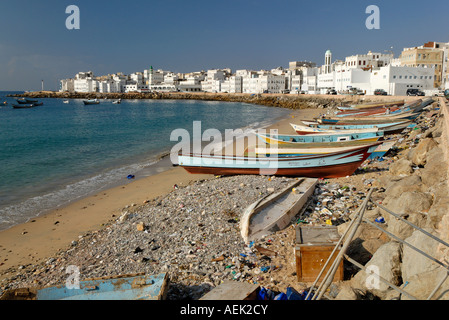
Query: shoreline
x=41, y=237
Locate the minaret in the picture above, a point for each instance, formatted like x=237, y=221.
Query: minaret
x=150, y=76
x=328, y=62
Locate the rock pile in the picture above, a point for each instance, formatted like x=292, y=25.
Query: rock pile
x=415, y=189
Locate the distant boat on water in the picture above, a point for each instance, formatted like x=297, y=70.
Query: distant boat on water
x=23, y=106
x=65, y=101
x=26, y=101
x=119, y=101
x=91, y=101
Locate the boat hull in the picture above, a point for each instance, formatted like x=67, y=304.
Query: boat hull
x=304, y=130
x=292, y=140
x=333, y=165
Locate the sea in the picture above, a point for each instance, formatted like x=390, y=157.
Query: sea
x=57, y=153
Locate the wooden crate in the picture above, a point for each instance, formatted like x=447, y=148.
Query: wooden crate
x=314, y=245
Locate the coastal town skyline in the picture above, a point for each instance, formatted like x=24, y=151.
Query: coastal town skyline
x=181, y=38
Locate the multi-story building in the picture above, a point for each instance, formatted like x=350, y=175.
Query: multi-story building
x=431, y=55
x=85, y=82
x=232, y=84
x=67, y=85
x=368, y=61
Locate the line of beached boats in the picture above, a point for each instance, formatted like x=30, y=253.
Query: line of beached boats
x=325, y=147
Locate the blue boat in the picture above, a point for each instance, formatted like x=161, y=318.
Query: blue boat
x=318, y=138
x=387, y=128
x=127, y=287
x=329, y=165
x=138, y=287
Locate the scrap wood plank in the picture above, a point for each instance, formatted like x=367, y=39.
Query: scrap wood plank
x=233, y=290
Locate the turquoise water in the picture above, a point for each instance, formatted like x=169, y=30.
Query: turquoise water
x=56, y=153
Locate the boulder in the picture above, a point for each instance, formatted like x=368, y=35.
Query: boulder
x=386, y=263
x=412, y=206
x=401, y=167
x=413, y=262
x=435, y=170
x=421, y=273
x=397, y=187
x=418, y=155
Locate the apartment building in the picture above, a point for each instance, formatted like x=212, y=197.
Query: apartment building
x=430, y=55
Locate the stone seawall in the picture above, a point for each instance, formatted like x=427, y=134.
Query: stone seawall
x=274, y=100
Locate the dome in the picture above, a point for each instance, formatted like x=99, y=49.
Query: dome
x=328, y=52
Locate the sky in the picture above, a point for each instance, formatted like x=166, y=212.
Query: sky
x=186, y=36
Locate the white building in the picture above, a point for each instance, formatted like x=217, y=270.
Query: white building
x=67, y=85
x=232, y=84
x=396, y=80
x=370, y=60
x=85, y=82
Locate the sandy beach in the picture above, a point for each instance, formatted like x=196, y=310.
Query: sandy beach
x=43, y=236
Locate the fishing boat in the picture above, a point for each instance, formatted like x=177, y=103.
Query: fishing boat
x=327, y=129
x=331, y=165
x=322, y=137
x=23, y=106
x=65, y=101
x=410, y=115
x=424, y=104
x=363, y=113
x=382, y=149
x=23, y=101
x=91, y=101
x=318, y=148
x=386, y=127
x=304, y=149
x=126, y=287
x=37, y=104
x=275, y=211
x=119, y=101
x=373, y=104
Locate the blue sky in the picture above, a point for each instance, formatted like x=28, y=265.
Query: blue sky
x=184, y=36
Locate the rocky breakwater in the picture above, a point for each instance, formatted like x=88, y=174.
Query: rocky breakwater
x=415, y=188
x=288, y=101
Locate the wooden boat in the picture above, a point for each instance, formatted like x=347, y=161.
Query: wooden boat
x=331, y=165
x=386, y=127
x=424, y=104
x=395, y=116
x=127, y=287
x=363, y=113
x=23, y=106
x=382, y=149
x=23, y=101
x=319, y=148
x=275, y=211
x=89, y=102
x=305, y=149
x=374, y=104
x=311, y=138
x=327, y=129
